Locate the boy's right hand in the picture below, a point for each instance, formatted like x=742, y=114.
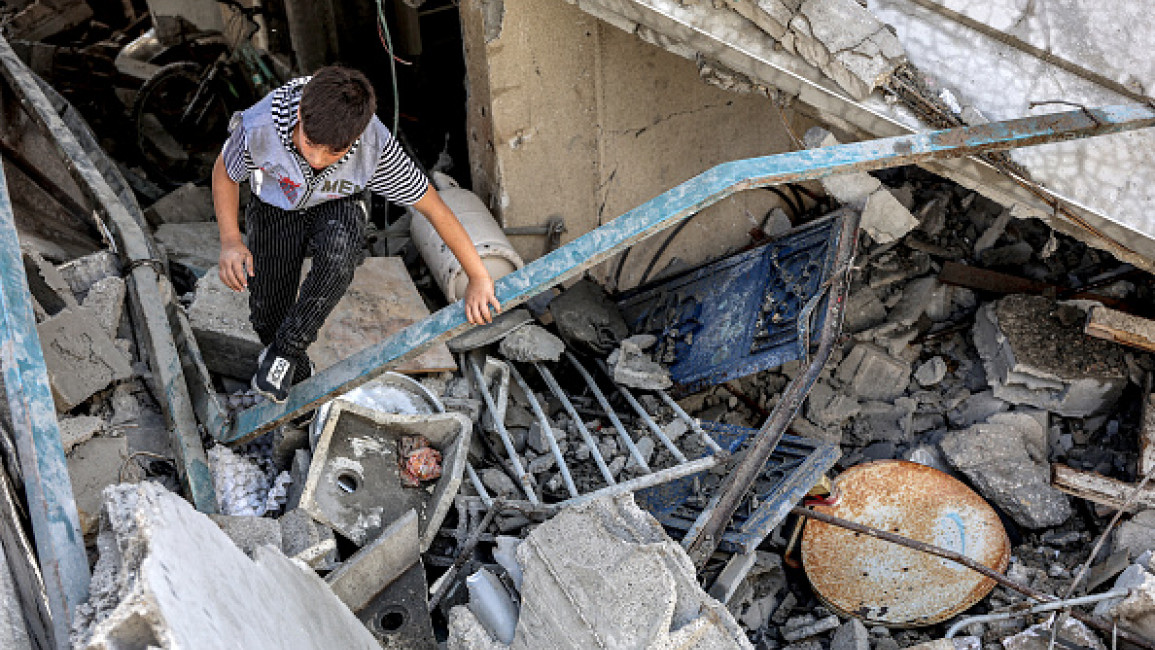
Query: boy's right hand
x=236, y=265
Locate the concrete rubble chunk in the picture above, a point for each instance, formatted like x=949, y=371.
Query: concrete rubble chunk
x=931, y=372
x=169, y=577
x=1037, y=637
x=885, y=219
x=1137, y=535
x=79, y=429
x=105, y=302
x=45, y=282
x=863, y=311
x=806, y=626
x=1035, y=353
x=872, y=374
x=1137, y=610
x=83, y=272
x=188, y=203
x=851, y=635
x=846, y=41
x=195, y=246
x=219, y=318
x=632, y=367
x=81, y=359
x=652, y=600
x=531, y=343
x=300, y=533
x=250, y=533
x=93, y=466
x=1006, y=459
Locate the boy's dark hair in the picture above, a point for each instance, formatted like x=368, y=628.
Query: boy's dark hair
x=336, y=106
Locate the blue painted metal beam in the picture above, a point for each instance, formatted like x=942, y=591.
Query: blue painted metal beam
x=669, y=208
x=47, y=487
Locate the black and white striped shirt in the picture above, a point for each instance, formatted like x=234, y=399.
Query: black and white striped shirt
x=396, y=177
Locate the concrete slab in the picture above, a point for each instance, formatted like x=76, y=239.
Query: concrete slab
x=45, y=282
x=652, y=600
x=79, y=429
x=169, y=577
x=81, y=359
x=1035, y=353
x=83, y=272
x=105, y=302
x=186, y=204
x=93, y=466
x=219, y=318
x=250, y=533
x=195, y=246
x=872, y=374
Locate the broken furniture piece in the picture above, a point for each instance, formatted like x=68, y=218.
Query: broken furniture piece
x=354, y=483
x=739, y=315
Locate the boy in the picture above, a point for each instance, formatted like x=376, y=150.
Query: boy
x=308, y=149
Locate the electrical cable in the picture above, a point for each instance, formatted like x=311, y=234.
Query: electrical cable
x=383, y=31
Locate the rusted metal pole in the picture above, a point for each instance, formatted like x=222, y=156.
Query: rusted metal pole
x=1110, y=627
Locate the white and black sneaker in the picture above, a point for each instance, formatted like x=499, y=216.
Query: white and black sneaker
x=275, y=373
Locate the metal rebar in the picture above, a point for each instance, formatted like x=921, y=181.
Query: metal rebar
x=657, y=430
x=478, y=485
x=697, y=428
x=522, y=477
x=605, y=404
x=1093, y=621
x=546, y=430
x=465, y=554
x=581, y=426
x=961, y=624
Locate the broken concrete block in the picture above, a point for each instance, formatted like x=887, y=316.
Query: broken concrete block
x=81, y=359
x=1035, y=353
x=1137, y=610
x=498, y=483
x=105, y=303
x=1137, y=535
x=806, y=626
x=83, y=272
x=863, y=311
x=653, y=600
x=931, y=372
x=825, y=406
x=537, y=440
x=169, y=577
x=250, y=533
x=1006, y=459
x=186, y=204
x=45, y=282
x=13, y=630
x=976, y=408
x=883, y=421
x=195, y=246
x=354, y=483
x=632, y=367
x=851, y=635
x=846, y=41
x=77, y=430
x=885, y=219
x=851, y=189
x=93, y=466
x=531, y=343
x=219, y=318
x=873, y=374
x=300, y=532
x=1073, y=633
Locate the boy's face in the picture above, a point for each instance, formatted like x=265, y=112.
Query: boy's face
x=318, y=156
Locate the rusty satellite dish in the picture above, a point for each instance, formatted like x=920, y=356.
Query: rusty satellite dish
x=893, y=585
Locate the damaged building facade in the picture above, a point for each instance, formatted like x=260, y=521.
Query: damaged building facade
x=826, y=325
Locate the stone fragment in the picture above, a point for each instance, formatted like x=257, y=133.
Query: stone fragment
x=873, y=374
x=1006, y=459
x=105, y=303
x=883, y=421
x=498, y=483
x=188, y=203
x=219, y=318
x=931, y=372
x=81, y=359
x=79, y=429
x=46, y=283
x=1136, y=535
x=885, y=219
x=531, y=343
x=169, y=577
x=249, y=533
x=806, y=626
x=538, y=441
x=93, y=466
x=1035, y=353
x=846, y=41
x=851, y=635
x=195, y=246
x=632, y=367
x=1137, y=610
x=83, y=272
x=825, y=406
x=654, y=599
x=1037, y=637
x=976, y=408
x=645, y=447
x=541, y=464
x=863, y=311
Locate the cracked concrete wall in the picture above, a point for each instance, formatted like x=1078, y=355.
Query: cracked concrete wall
x=571, y=116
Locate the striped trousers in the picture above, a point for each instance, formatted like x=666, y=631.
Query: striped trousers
x=333, y=233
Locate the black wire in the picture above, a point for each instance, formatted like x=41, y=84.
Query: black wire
x=662, y=249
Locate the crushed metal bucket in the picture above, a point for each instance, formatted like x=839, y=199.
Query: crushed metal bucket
x=884, y=583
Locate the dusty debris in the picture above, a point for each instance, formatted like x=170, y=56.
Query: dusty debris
x=632, y=366
x=531, y=343
x=1006, y=459
x=1037, y=637
x=150, y=588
